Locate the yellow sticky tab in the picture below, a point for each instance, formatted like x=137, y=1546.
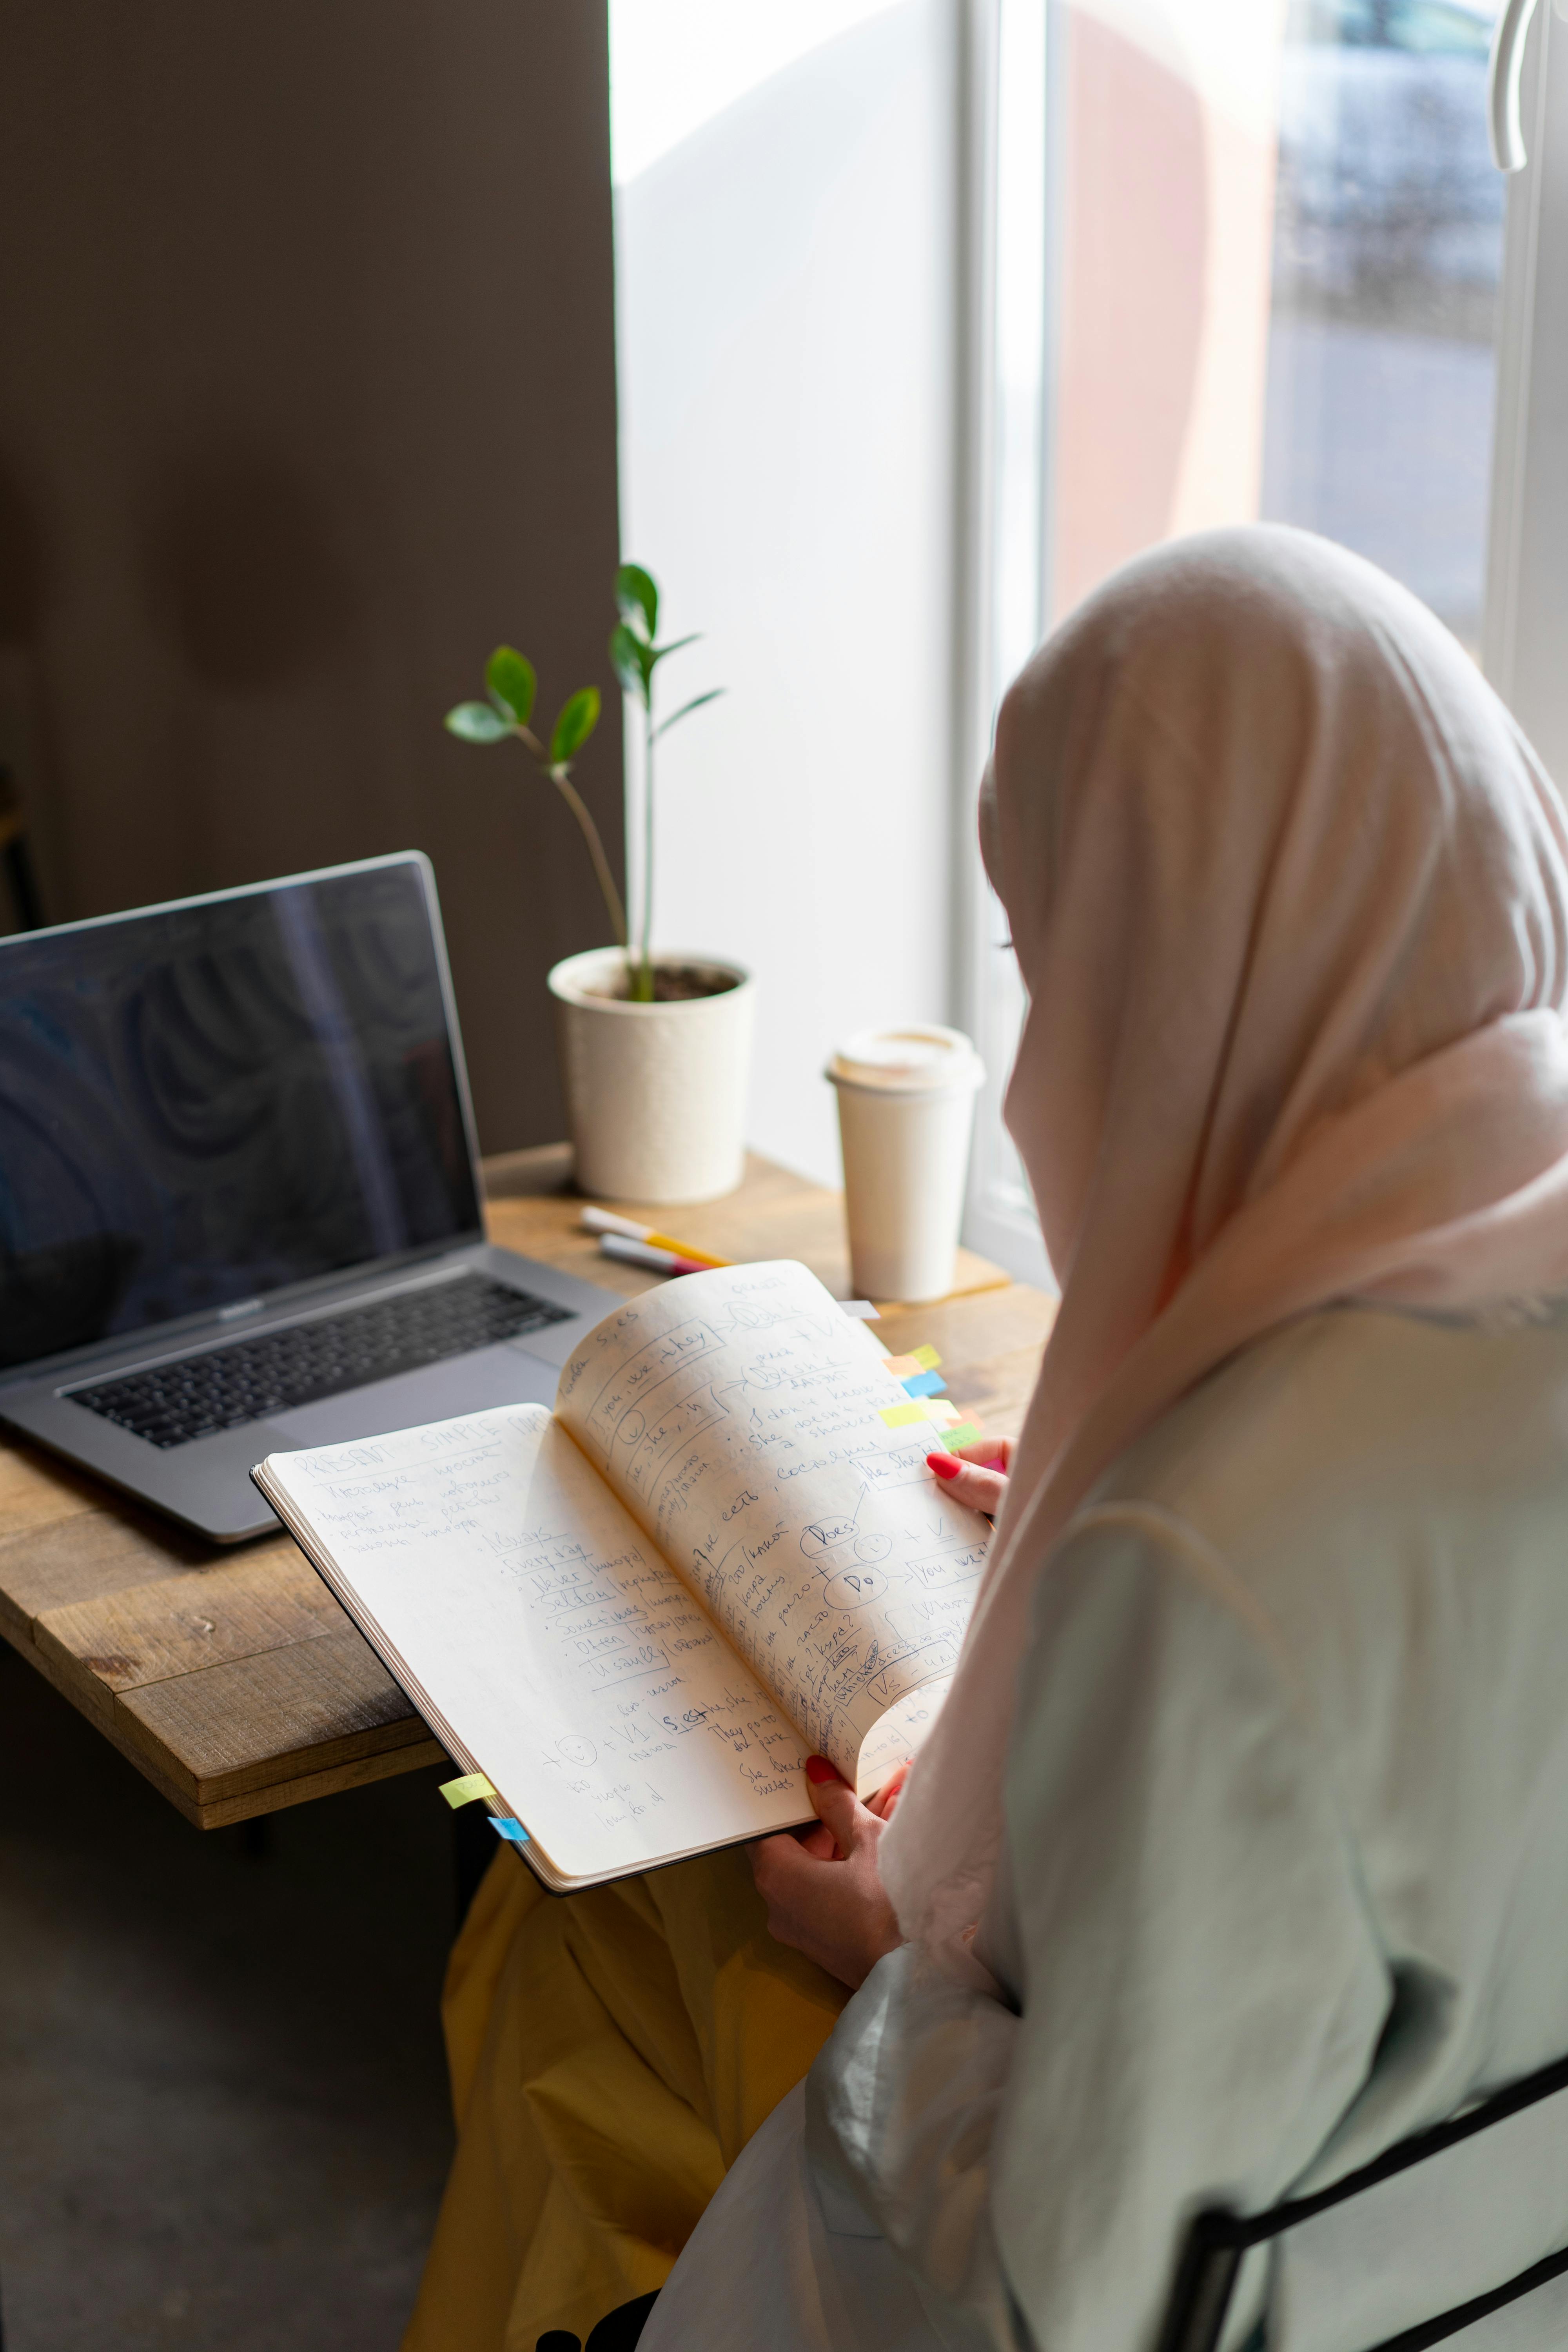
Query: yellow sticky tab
x=464, y=1791
x=899, y=1416
x=926, y=1358
x=946, y=1415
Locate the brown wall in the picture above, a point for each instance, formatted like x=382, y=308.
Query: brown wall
x=307, y=398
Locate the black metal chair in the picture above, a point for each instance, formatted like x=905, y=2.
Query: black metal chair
x=1216, y=2241
x=617, y=2332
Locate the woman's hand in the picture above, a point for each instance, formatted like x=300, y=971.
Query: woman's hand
x=977, y=1474
x=823, y=1889
x=822, y=1886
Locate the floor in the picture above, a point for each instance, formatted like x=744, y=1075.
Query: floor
x=223, y=2105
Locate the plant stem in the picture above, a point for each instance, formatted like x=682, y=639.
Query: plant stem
x=645, y=977
x=611, y=897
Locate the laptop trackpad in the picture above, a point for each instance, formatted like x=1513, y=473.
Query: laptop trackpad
x=500, y=1375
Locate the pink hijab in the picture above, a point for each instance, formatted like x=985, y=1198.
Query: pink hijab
x=1288, y=892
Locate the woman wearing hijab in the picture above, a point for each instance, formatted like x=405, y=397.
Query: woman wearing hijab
x=1240, y=1848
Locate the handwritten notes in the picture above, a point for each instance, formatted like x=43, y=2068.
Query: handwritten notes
x=754, y=1435
x=629, y=1622
x=539, y=1630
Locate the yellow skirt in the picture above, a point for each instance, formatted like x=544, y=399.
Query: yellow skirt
x=611, y=2055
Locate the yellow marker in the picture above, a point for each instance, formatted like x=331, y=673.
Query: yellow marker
x=898, y=1416
x=926, y=1358
x=604, y=1220
x=684, y=1249
x=464, y=1791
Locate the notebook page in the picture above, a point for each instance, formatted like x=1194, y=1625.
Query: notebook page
x=737, y=1414
x=543, y=1639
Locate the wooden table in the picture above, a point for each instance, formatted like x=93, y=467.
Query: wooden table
x=232, y=1678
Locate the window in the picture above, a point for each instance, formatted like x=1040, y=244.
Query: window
x=1271, y=287
x=1387, y=263
x=933, y=313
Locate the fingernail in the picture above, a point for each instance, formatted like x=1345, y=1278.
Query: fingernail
x=946, y=1465
x=818, y=1769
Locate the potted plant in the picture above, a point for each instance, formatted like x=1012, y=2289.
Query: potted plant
x=654, y=1047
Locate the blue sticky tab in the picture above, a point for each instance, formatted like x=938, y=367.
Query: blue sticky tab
x=926, y=1384
x=512, y=1830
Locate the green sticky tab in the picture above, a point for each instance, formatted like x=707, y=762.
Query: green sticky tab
x=898, y=1415
x=464, y=1791
x=965, y=1434
x=926, y=1358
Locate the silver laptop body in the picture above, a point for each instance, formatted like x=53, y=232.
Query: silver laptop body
x=240, y=1208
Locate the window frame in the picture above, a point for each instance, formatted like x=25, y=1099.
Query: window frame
x=1525, y=622
x=1004, y=492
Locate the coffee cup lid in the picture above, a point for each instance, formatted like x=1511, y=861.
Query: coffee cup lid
x=915, y=1057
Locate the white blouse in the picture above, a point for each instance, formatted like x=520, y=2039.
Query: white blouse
x=1287, y=1878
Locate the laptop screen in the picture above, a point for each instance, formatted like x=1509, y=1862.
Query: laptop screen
x=204, y=1103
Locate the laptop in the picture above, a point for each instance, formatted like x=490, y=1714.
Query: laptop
x=240, y=1207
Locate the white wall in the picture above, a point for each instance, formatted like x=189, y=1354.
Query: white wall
x=787, y=371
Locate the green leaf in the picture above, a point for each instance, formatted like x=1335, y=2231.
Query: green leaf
x=632, y=660
x=578, y=719
x=686, y=710
x=476, y=722
x=661, y=653
x=511, y=682
x=636, y=598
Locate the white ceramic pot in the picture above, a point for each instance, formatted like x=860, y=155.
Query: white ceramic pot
x=656, y=1093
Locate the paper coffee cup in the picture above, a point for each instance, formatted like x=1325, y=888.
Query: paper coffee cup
x=906, y=1112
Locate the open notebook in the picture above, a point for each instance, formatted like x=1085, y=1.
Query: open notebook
x=637, y=1615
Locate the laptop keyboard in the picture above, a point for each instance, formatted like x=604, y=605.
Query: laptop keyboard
x=197, y=1396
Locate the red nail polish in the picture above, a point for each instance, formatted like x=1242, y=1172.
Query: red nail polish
x=818, y=1769
x=946, y=1465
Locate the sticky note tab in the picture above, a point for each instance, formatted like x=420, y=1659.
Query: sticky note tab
x=926, y=1358
x=512, y=1830
x=861, y=1309
x=464, y=1791
x=946, y=1415
x=898, y=1416
x=965, y=1434
x=902, y=1367
x=925, y=1384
